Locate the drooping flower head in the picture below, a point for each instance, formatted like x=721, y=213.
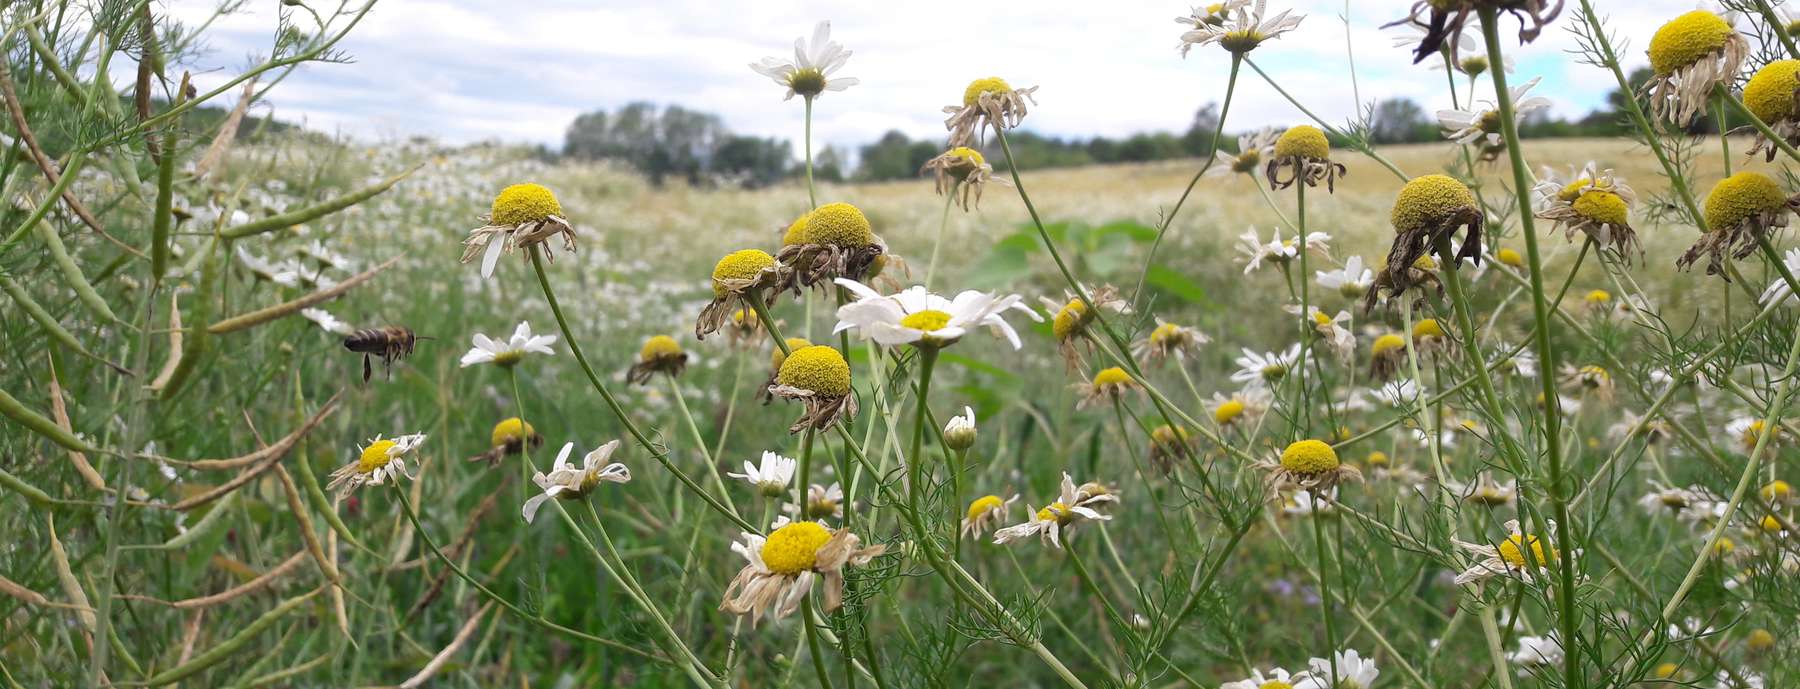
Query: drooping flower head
x=1108, y=385
x=1772, y=95
x=1386, y=355
x=780, y=568
x=987, y=103
x=1071, y=317
x=660, y=354
x=1309, y=464
x=1740, y=210
x=736, y=276
x=510, y=437
x=569, y=482
x=838, y=242
x=960, y=170
x=1304, y=154
x=819, y=377
x=1522, y=555
x=984, y=512
x=1690, y=55
x=810, y=72
x=1168, y=341
x=522, y=216
x=1168, y=444
x=1427, y=213
x=1442, y=22
x=1593, y=201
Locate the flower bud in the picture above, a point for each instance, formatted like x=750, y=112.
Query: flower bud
x=959, y=434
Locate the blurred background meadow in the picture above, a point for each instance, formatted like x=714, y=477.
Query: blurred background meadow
x=166, y=467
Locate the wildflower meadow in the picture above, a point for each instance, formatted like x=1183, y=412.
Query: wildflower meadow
x=283, y=409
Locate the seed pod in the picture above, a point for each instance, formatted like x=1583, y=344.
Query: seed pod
x=11, y=408
x=231, y=646
x=208, y=525
x=165, y=207
x=71, y=272
x=284, y=220
x=49, y=323
x=196, y=340
x=310, y=481
x=30, y=492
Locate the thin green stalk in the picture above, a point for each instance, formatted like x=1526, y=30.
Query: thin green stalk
x=1306, y=320
x=1212, y=156
x=1325, y=590
x=1724, y=96
x=712, y=465
x=1779, y=28
x=1567, y=616
x=1360, y=146
x=812, y=199
x=943, y=225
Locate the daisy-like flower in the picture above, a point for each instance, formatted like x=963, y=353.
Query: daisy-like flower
x=1353, y=672
x=1402, y=393
x=1253, y=148
x=1244, y=407
x=1168, y=341
x=1241, y=30
x=959, y=432
x=1304, y=154
x=510, y=352
x=1520, y=555
x=961, y=169
x=1213, y=14
x=1073, y=506
x=1742, y=432
x=922, y=319
x=1778, y=493
x=1267, y=368
x=1277, y=250
x=771, y=477
x=1535, y=653
x=987, y=103
x=744, y=329
x=1109, y=385
x=1332, y=331
x=1305, y=503
x=1350, y=281
x=1485, y=491
x=1276, y=678
x=660, y=354
x=330, y=323
x=1427, y=212
x=1443, y=21
x=1665, y=499
x=1778, y=290
x=1308, y=464
x=819, y=377
x=822, y=502
x=1590, y=200
x=810, y=72
x=1070, y=318
x=985, y=512
x=510, y=437
x=779, y=569
x=1589, y=380
x=278, y=273
x=1770, y=95
x=522, y=216
x=1740, y=209
x=569, y=482
x=735, y=277
x=1169, y=444
x=1386, y=355
x=381, y=460
x=838, y=242
x=1690, y=55
x=1483, y=128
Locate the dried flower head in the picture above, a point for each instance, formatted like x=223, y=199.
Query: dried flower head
x=1308, y=464
x=1427, y=213
x=660, y=354
x=819, y=377
x=377, y=462
x=780, y=568
x=738, y=274
x=987, y=103
x=838, y=242
x=1386, y=355
x=1304, y=154
x=1690, y=55
x=984, y=512
x=1168, y=341
x=1589, y=200
x=509, y=437
x=1108, y=385
x=523, y=215
x=1772, y=95
x=1442, y=22
x=961, y=170
x=1741, y=210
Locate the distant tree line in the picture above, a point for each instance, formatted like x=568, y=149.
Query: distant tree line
x=674, y=142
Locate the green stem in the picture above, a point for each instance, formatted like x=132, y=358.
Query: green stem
x=943, y=225
x=812, y=198
x=1779, y=28
x=712, y=465
x=1306, y=321
x=1724, y=95
x=813, y=650
x=1360, y=146
x=1212, y=156
x=1325, y=588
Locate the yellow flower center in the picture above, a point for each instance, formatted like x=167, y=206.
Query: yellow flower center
x=1112, y=377
x=1429, y=200
x=1275, y=684
x=1167, y=435
x=1378, y=458
x=794, y=548
x=510, y=431
x=1512, y=551
x=1687, y=39
x=1162, y=334
x=740, y=265
x=1228, y=411
x=1248, y=161
x=509, y=358
x=1309, y=457
x=524, y=203
x=796, y=231
x=1425, y=262
x=1594, y=375
x=1770, y=524
x=1667, y=670
x=1760, y=640
x=1320, y=319
x=1388, y=343
x=818, y=369
x=1427, y=328
x=984, y=505
x=1741, y=197
x=1242, y=40
x=1602, y=206
x=1069, y=319
x=1599, y=297
x=794, y=344
x=1474, y=65
x=807, y=82
x=376, y=456
x=839, y=224
x=1054, y=512
x=1303, y=141
x=994, y=85
x=1510, y=257
x=963, y=160
x=1777, y=490
x=1724, y=547
x=659, y=347
x=927, y=320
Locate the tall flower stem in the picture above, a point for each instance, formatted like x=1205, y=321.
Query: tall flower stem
x=1212, y=156
x=943, y=225
x=1325, y=588
x=612, y=403
x=804, y=477
x=812, y=198
x=1567, y=615
x=1306, y=321
x=1724, y=96
x=1093, y=587
x=914, y=461
x=1779, y=28
x=1358, y=144
x=712, y=465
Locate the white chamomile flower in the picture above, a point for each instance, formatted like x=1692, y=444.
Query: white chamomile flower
x=1073, y=506
x=1482, y=127
x=986, y=511
x=1276, y=677
x=918, y=317
x=509, y=352
x=1265, y=368
x=1277, y=250
x=569, y=482
x=809, y=73
x=1519, y=555
x=326, y=321
x=780, y=568
x=1536, y=652
x=771, y=478
x=381, y=460
x=1353, y=672
x=1239, y=32
x=1351, y=281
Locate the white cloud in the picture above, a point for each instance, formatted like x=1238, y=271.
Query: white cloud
x=465, y=70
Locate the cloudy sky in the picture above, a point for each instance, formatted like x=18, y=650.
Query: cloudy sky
x=521, y=70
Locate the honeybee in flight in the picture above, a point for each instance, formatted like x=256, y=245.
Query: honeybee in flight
x=389, y=342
